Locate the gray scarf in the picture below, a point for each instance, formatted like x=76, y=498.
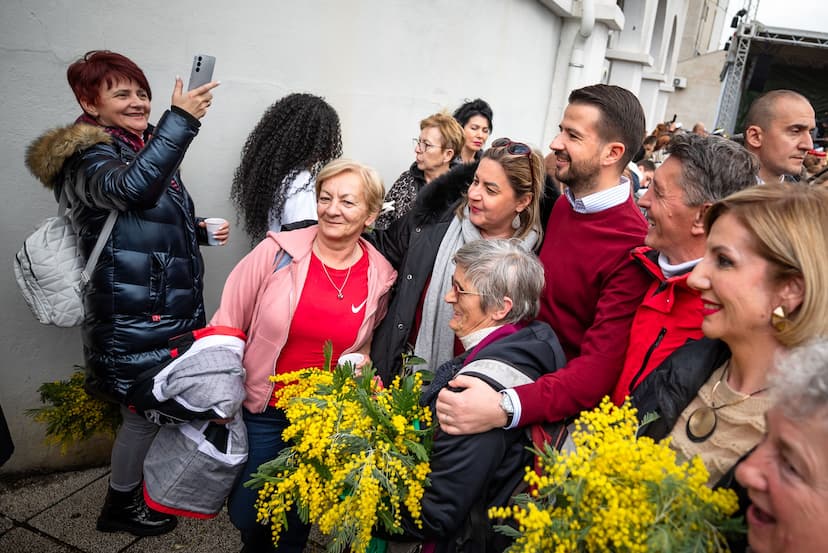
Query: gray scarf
x=435, y=340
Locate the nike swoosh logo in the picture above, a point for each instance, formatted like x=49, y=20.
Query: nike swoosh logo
x=358, y=308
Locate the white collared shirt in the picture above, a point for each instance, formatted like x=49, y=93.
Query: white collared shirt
x=600, y=201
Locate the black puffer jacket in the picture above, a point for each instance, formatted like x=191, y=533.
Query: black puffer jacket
x=147, y=286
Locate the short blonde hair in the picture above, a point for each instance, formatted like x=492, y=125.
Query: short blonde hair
x=449, y=128
x=789, y=226
x=372, y=186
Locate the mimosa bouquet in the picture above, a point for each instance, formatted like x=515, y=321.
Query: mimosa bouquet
x=71, y=415
x=359, y=454
x=617, y=492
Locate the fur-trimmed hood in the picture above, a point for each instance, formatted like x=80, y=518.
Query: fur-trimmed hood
x=442, y=193
x=46, y=155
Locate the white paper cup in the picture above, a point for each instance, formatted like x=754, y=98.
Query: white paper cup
x=213, y=224
x=355, y=359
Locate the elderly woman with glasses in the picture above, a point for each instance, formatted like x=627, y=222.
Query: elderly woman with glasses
x=786, y=476
x=494, y=297
x=435, y=150
x=502, y=201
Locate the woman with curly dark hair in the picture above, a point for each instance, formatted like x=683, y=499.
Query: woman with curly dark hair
x=274, y=184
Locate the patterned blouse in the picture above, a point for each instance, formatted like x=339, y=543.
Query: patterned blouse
x=403, y=193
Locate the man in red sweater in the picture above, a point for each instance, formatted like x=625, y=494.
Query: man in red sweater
x=698, y=172
x=593, y=287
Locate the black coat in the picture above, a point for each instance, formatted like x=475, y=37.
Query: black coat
x=410, y=244
x=6, y=443
x=469, y=474
x=670, y=388
x=147, y=286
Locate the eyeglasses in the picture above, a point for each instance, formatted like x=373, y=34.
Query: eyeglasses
x=423, y=146
x=455, y=287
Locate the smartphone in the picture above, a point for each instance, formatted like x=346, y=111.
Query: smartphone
x=202, y=72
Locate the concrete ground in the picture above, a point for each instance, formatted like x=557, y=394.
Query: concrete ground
x=56, y=513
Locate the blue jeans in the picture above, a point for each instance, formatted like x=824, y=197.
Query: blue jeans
x=264, y=436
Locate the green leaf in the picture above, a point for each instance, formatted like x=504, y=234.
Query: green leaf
x=387, y=520
x=652, y=416
x=327, y=352
x=507, y=531
x=417, y=450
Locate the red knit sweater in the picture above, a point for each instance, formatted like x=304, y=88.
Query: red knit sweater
x=593, y=288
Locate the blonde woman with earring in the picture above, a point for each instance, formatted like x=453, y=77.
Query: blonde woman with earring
x=762, y=283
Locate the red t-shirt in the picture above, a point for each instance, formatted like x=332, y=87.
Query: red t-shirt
x=321, y=316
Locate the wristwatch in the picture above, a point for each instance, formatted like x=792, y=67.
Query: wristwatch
x=508, y=407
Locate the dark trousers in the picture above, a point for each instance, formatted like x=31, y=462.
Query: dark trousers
x=264, y=436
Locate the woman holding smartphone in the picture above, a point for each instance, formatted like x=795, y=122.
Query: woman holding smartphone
x=147, y=285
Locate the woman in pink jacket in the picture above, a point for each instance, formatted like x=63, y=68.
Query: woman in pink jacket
x=291, y=294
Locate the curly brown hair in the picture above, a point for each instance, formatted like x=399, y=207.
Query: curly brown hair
x=299, y=132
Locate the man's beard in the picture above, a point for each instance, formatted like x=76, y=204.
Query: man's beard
x=579, y=176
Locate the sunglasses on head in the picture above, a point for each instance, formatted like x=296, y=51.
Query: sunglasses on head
x=514, y=148
x=517, y=149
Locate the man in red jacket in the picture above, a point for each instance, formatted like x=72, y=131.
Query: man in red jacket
x=698, y=172
x=593, y=287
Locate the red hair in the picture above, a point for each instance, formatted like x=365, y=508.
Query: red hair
x=87, y=75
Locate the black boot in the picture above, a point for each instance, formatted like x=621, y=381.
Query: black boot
x=127, y=512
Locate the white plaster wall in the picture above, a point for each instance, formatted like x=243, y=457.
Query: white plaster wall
x=630, y=48
x=383, y=64
x=648, y=96
x=580, y=56
x=662, y=22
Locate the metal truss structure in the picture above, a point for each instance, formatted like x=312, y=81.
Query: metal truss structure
x=737, y=71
